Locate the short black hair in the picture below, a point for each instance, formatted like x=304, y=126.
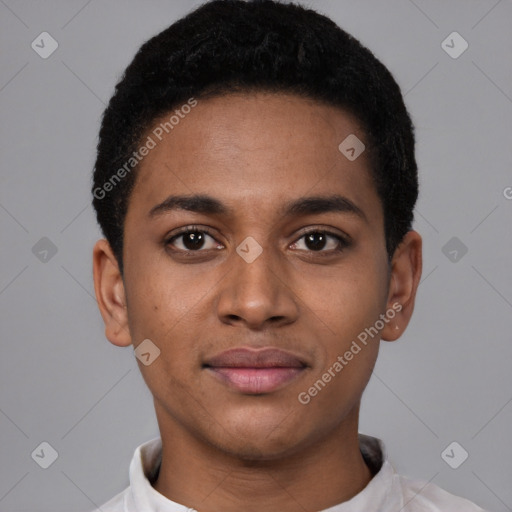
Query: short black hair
x=227, y=46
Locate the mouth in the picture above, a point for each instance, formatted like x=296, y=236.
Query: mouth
x=255, y=372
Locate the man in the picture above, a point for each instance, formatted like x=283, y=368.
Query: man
x=255, y=182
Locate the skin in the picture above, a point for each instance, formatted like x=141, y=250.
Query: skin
x=224, y=449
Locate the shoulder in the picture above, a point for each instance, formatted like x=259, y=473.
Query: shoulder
x=115, y=504
x=421, y=496
x=414, y=495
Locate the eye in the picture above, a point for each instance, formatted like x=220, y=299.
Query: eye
x=321, y=241
x=193, y=239
x=199, y=239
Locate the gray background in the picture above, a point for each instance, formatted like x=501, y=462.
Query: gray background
x=447, y=379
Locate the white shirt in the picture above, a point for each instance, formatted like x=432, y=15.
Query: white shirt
x=386, y=492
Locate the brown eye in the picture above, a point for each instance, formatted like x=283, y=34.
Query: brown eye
x=321, y=241
x=193, y=240
x=315, y=241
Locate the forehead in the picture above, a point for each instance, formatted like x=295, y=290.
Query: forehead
x=263, y=148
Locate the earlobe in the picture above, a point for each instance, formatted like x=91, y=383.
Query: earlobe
x=406, y=266
x=110, y=294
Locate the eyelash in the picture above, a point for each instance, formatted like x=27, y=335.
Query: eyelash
x=343, y=242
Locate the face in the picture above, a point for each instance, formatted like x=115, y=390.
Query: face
x=285, y=249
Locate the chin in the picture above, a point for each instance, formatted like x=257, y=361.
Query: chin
x=261, y=435
x=257, y=449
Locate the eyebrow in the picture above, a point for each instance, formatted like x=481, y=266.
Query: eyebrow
x=208, y=205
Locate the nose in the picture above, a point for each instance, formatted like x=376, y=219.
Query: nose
x=257, y=294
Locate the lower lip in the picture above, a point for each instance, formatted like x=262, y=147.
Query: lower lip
x=256, y=381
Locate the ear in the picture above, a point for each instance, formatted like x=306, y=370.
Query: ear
x=110, y=294
x=406, y=266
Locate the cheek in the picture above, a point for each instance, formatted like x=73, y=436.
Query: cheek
x=168, y=307
x=158, y=312
x=345, y=308
x=161, y=297
x=336, y=389
x=345, y=300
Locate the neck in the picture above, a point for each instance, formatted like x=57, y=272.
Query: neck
x=323, y=474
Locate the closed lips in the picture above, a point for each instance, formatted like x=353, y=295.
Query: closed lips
x=255, y=372
x=250, y=358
